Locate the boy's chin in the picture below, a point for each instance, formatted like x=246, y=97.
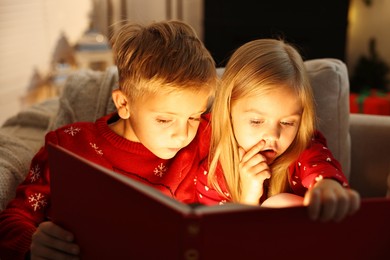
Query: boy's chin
x=166, y=155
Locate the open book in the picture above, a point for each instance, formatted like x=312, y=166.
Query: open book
x=114, y=217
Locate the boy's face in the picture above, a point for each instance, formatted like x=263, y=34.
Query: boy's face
x=165, y=123
x=274, y=117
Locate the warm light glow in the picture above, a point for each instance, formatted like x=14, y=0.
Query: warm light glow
x=99, y=38
x=352, y=14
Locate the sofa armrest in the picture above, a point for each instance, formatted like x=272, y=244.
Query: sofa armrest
x=370, y=154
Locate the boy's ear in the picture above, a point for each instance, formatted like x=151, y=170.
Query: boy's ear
x=121, y=103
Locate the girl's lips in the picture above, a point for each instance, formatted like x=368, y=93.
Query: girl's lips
x=269, y=154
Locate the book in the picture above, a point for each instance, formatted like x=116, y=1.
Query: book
x=115, y=217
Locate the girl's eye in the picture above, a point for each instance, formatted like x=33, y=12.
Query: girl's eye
x=287, y=123
x=256, y=122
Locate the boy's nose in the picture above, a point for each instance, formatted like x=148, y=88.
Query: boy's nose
x=181, y=132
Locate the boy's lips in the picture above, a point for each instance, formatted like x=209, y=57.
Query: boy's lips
x=174, y=149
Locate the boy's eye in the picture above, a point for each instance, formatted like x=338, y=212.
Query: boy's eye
x=197, y=119
x=163, y=121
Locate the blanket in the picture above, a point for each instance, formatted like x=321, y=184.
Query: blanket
x=86, y=97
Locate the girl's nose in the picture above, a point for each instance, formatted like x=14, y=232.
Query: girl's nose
x=271, y=134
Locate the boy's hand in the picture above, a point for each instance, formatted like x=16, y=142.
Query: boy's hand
x=50, y=241
x=329, y=200
x=253, y=171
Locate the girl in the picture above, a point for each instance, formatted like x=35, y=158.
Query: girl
x=264, y=140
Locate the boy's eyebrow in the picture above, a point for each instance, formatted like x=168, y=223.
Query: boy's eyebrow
x=201, y=112
x=174, y=113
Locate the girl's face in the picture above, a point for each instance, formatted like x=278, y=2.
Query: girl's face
x=273, y=117
x=165, y=123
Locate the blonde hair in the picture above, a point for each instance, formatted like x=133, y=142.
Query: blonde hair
x=163, y=56
x=258, y=67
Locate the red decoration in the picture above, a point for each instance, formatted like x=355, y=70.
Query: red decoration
x=376, y=106
x=372, y=102
x=353, y=103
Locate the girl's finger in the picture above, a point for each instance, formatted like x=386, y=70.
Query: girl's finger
x=313, y=201
x=354, y=201
x=253, y=151
x=241, y=153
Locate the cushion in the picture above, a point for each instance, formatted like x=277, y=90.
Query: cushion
x=86, y=97
x=329, y=79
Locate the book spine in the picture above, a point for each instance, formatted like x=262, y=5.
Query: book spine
x=191, y=238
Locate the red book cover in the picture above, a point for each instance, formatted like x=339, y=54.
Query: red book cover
x=115, y=217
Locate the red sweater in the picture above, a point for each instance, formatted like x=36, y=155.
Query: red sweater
x=315, y=163
x=96, y=142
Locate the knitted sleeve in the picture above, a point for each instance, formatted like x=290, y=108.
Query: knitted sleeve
x=29, y=208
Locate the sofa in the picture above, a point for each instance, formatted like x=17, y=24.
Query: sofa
x=360, y=142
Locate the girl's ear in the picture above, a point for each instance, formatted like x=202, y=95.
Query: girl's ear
x=121, y=103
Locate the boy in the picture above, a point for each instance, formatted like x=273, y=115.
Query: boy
x=166, y=77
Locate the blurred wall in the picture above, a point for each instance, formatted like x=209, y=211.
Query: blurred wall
x=29, y=32
x=366, y=22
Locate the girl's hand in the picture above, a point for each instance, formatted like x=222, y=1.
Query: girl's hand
x=329, y=200
x=50, y=241
x=253, y=171
x=283, y=200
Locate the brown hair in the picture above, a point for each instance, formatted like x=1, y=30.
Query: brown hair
x=163, y=56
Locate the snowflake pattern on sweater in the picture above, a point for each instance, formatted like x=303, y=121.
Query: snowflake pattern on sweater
x=37, y=201
x=34, y=173
x=160, y=170
x=72, y=130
